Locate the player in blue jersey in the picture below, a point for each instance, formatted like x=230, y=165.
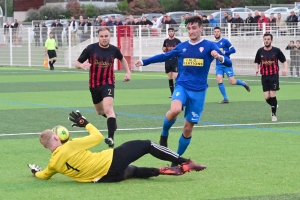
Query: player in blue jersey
x=194, y=60
x=227, y=49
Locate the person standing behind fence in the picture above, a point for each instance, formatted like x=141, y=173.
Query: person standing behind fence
x=52, y=28
x=7, y=27
x=20, y=32
x=58, y=30
x=44, y=32
x=280, y=25
x=292, y=22
x=73, y=27
x=266, y=62
x=50, y=46
x=14, y=32
x=263, y=20
x=87, y=29
x=67, y=31
x=291, y=47
x=297, y=58
x=37, y=32
x=248, y=24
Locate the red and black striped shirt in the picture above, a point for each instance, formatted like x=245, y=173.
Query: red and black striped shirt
x=268, y=60
x=102, y=63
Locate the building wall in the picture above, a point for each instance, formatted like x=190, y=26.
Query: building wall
x=24, y=5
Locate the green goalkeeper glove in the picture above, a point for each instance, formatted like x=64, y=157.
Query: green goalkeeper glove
x=78, y=119
x=34, y=168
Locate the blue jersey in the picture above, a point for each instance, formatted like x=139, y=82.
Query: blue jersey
x=194, y=61
x=226, y=47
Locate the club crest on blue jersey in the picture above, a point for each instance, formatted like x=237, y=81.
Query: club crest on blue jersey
x=201, y=49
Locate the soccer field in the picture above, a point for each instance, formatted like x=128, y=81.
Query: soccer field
x=247, y=156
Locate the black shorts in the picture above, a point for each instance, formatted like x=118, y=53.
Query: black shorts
x=99, y=93
x=52, y=54
x=270, y=82
x=171, y=65
x=123, y=156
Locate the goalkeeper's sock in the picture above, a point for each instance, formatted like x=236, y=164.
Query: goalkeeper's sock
x=111, y=126
x=239, y=82
x=171, y=85
x=183, y=144
x=166, y=126
x=273, y=105
x=269, y=101
x=145, y=172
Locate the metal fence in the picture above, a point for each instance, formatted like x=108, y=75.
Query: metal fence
x=23, y=48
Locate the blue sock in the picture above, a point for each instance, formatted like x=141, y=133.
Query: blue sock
x=239, y=82
x=183, y=144
x=223, y=91
x=166, y=126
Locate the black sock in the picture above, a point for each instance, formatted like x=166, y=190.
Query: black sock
x=53, y=63
x=269, y=101
x=164, y=153
x=50, y=64
x=171, y=85
x=111, y=126
x=104, y=115
x=273, y=105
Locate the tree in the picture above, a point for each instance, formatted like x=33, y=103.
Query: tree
x=75, y=9
x=190, y=5
x=10, y=7
x=137, y=7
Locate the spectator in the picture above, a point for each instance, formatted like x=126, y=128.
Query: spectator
x=291, y=47
x=98, y=22
x=73, y=28
x=118, y=22
x=44, y=32
x=237, y=22
x=280, y=24
x=67, y=31
x=205, y=24
x=80, y=31
x=297, y=57
x=224, y=20
x=255, y=21
x=36, y=34
x=164, y=18
x=155, y=27
x=169, y=20
x=14, y=32
x=146, y=24
x=20, y=32
x=212, y=21
x=7, y=27
x=249, y=21
x=131, y=21
x=136, y=21
x=292, y=22
x=94, y=20
x=263, y=20
x=182, y=27
x=109, y=21
x=52, y=28
x=126, y=21
x=229, y=18
x=87, y=29
x=59, y=29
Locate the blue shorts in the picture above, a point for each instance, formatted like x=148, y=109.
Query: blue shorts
x=193, y=101
x=221, y=69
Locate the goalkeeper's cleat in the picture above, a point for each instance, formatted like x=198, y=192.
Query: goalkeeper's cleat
x=163, y=141
x=110, y=142
x=192, y=166
x=274, y=118
x=171, y=171
x=247, y=87
x=223, y=101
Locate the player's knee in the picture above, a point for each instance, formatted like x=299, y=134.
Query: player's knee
x=232, y=81
x=175, y=111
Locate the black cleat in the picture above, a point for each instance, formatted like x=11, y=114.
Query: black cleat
x=223, y=102
x=163, y=141
x=110, y=142
x=247, y=87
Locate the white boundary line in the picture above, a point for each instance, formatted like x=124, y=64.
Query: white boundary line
x=159, y=128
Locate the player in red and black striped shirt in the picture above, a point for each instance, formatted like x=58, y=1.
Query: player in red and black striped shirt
x=99, y=59
x=267, y=59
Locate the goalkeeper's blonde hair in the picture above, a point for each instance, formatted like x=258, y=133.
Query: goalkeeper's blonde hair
x=46, y=137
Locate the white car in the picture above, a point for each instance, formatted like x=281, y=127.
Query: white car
x=284, y=11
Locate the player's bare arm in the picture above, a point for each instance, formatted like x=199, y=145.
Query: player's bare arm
x=256, y=69
x=86, y=65
x=138, y=63
x=284, y=71
x=164, y=49
x=216, y=55
x=124, y=64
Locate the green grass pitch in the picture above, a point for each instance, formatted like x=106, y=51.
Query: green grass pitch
x=247, y=155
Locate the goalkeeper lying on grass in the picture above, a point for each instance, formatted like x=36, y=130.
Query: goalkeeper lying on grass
x=112, y=165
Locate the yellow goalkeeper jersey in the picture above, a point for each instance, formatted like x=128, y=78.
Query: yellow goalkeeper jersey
x=75, y=161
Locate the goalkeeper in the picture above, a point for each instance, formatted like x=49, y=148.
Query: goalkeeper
x=112, y=165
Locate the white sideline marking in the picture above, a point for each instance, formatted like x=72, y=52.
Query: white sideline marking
x=159, y=128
